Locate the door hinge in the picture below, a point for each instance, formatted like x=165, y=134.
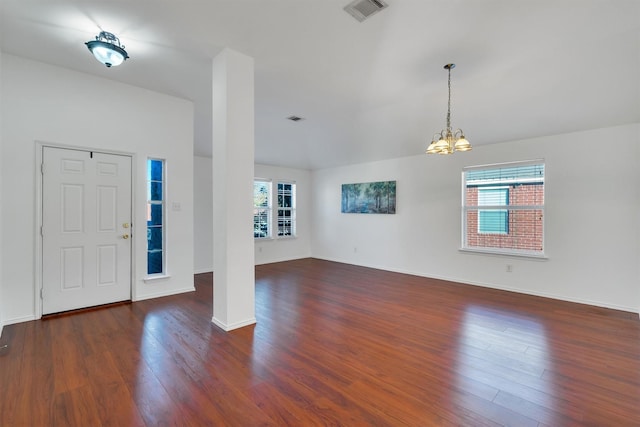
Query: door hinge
x=42, y=293
x=41, y=231
x=42, y=168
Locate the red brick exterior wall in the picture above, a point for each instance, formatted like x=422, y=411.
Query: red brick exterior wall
x=525, y=226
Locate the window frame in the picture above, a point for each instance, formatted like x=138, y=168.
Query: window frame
x=511, y=207
x=273, y=209
x=163, y=210
x=292, y=209
x=268, y=209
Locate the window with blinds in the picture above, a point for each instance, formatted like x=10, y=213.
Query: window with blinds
x=503, y=208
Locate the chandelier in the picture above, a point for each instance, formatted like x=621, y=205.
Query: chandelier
x=107, y=49
x=448, y=141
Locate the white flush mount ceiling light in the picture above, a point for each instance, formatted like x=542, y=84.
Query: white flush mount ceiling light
x=448, y=141
x=107, y=49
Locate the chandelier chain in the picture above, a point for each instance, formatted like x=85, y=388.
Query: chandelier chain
x=448, y=141
x=449, y=104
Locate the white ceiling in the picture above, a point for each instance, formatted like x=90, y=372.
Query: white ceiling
x=370, y=90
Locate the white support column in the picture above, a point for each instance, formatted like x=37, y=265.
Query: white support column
x=1, y=204
x=233, y=246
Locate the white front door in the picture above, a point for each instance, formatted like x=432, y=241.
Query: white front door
x=86, y=229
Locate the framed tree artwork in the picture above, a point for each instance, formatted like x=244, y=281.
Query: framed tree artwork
x=369, y=197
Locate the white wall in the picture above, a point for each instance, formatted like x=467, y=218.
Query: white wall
x=55, y=105
x=266, y=251
x=591, y=223
x=202, y=215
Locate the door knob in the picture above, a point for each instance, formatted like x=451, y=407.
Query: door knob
x=125, y=236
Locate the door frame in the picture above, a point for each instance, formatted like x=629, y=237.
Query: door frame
x=39, y=256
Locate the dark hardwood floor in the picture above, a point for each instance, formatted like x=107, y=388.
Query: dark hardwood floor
x=335, y=344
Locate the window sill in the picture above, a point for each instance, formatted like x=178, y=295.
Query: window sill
x=155, y=278
x=539, y=256
x=273, y=239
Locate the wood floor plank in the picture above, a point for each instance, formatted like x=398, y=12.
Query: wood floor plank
x=334, y=344
x=76, y=407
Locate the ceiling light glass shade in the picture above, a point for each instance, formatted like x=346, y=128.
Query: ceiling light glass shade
x=432, y=148
x=106, y=54
x=462, y=144
x=442, y=145
x=448, y=141
x=107, y=49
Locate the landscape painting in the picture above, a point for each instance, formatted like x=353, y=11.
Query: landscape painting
x=369, y=197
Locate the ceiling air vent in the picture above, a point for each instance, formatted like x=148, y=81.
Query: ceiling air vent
x=363, y=9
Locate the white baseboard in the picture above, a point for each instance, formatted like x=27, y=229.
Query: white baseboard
x=18, y=320
x=203, y=270
x=230, y=327
x=164, y=294
x=273, y=261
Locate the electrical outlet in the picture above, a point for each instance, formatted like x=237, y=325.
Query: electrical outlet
x=355, y=249
x=509, y=268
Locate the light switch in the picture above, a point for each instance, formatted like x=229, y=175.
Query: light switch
x=176, y=206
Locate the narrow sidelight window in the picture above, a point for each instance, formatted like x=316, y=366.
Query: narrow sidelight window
x=155, y=216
